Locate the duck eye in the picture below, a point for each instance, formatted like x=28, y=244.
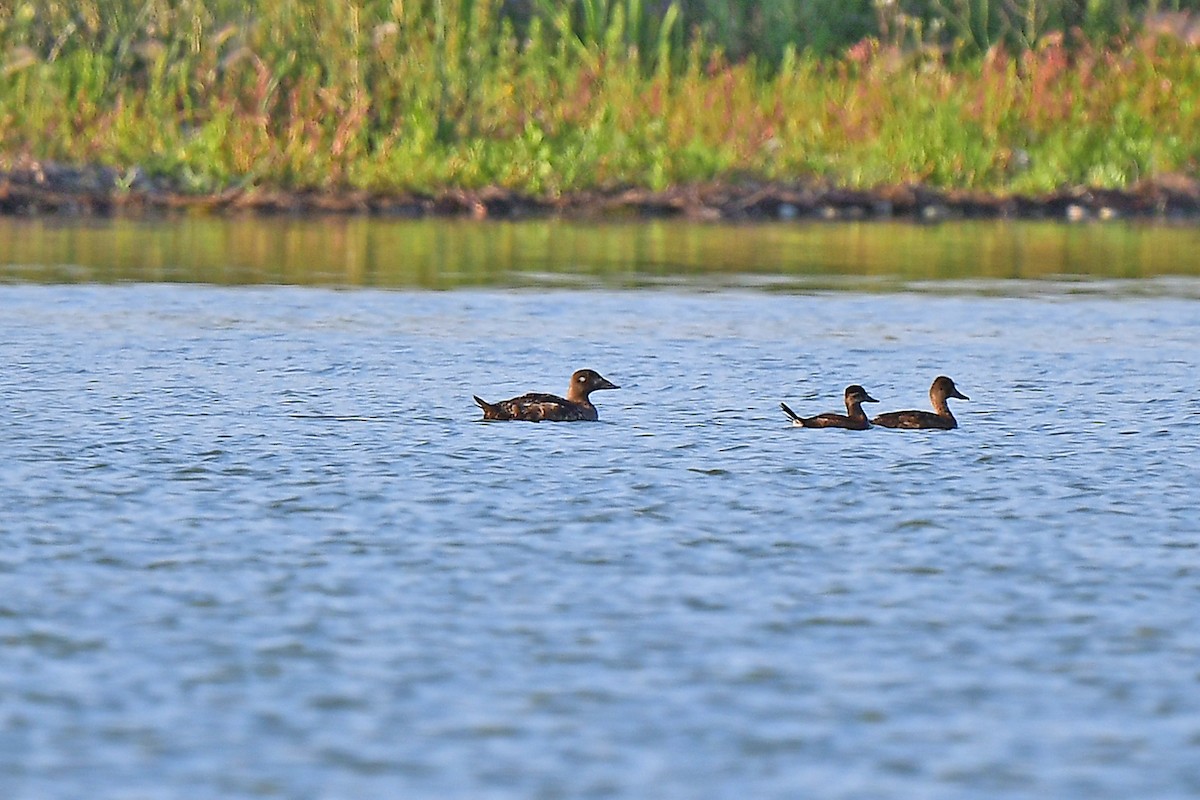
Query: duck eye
x=583, y=378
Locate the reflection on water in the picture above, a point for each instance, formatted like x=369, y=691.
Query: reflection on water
x=441, y=254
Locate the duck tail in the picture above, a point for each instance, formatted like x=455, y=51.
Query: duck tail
x=792, y=415
x=489, y=411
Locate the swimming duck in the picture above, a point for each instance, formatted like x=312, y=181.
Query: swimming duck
x=535, y=406
x=854, y=418
x=941, y=389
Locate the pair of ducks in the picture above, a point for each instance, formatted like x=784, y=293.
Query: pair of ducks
x=577, y=406
x=855, y=418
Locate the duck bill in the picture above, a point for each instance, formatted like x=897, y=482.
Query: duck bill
x=868, y=399
x=960, y=395
x=605, y=383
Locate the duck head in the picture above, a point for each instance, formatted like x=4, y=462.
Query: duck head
x=586, y=381
x=943, y=387
x=856, y=395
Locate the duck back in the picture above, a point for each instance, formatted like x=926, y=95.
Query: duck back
x=914, y=420
x=829, y=420
x=538, y=407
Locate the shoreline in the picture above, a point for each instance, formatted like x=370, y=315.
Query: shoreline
x=48, y=189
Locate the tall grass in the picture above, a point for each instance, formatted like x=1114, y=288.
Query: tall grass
x=766, y=29
x=390, y=95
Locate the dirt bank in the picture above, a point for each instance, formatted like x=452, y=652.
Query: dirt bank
x=45, y=188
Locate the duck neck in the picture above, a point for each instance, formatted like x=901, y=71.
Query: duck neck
x=577, y=395
x=940, y=406
x=855, y=411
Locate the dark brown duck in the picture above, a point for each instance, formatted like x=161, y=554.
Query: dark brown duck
x=940, y=418
x=854, y=419
x=535, y=406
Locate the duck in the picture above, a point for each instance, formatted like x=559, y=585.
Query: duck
x=536, y=406
x=940, y=418
x=854, y=419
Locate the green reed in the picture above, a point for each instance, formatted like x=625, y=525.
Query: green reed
x=403, y=95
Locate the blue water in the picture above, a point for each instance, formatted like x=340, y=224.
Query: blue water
x=254, y=542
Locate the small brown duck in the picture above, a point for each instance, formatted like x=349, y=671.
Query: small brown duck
x=854, y=418
x=535, y=406
x=940, y=418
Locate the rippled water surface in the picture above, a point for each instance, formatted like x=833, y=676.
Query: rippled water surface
x=254, y=542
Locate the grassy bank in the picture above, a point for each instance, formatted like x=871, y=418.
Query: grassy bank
x=392, y=96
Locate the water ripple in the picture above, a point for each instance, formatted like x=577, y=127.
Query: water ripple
x=256, y=543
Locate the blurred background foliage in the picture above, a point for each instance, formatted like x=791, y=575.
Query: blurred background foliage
x=552, y=95
x=764, y=29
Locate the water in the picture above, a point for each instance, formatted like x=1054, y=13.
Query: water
x=254, y=542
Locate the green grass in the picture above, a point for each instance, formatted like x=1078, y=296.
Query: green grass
x=422, y=95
